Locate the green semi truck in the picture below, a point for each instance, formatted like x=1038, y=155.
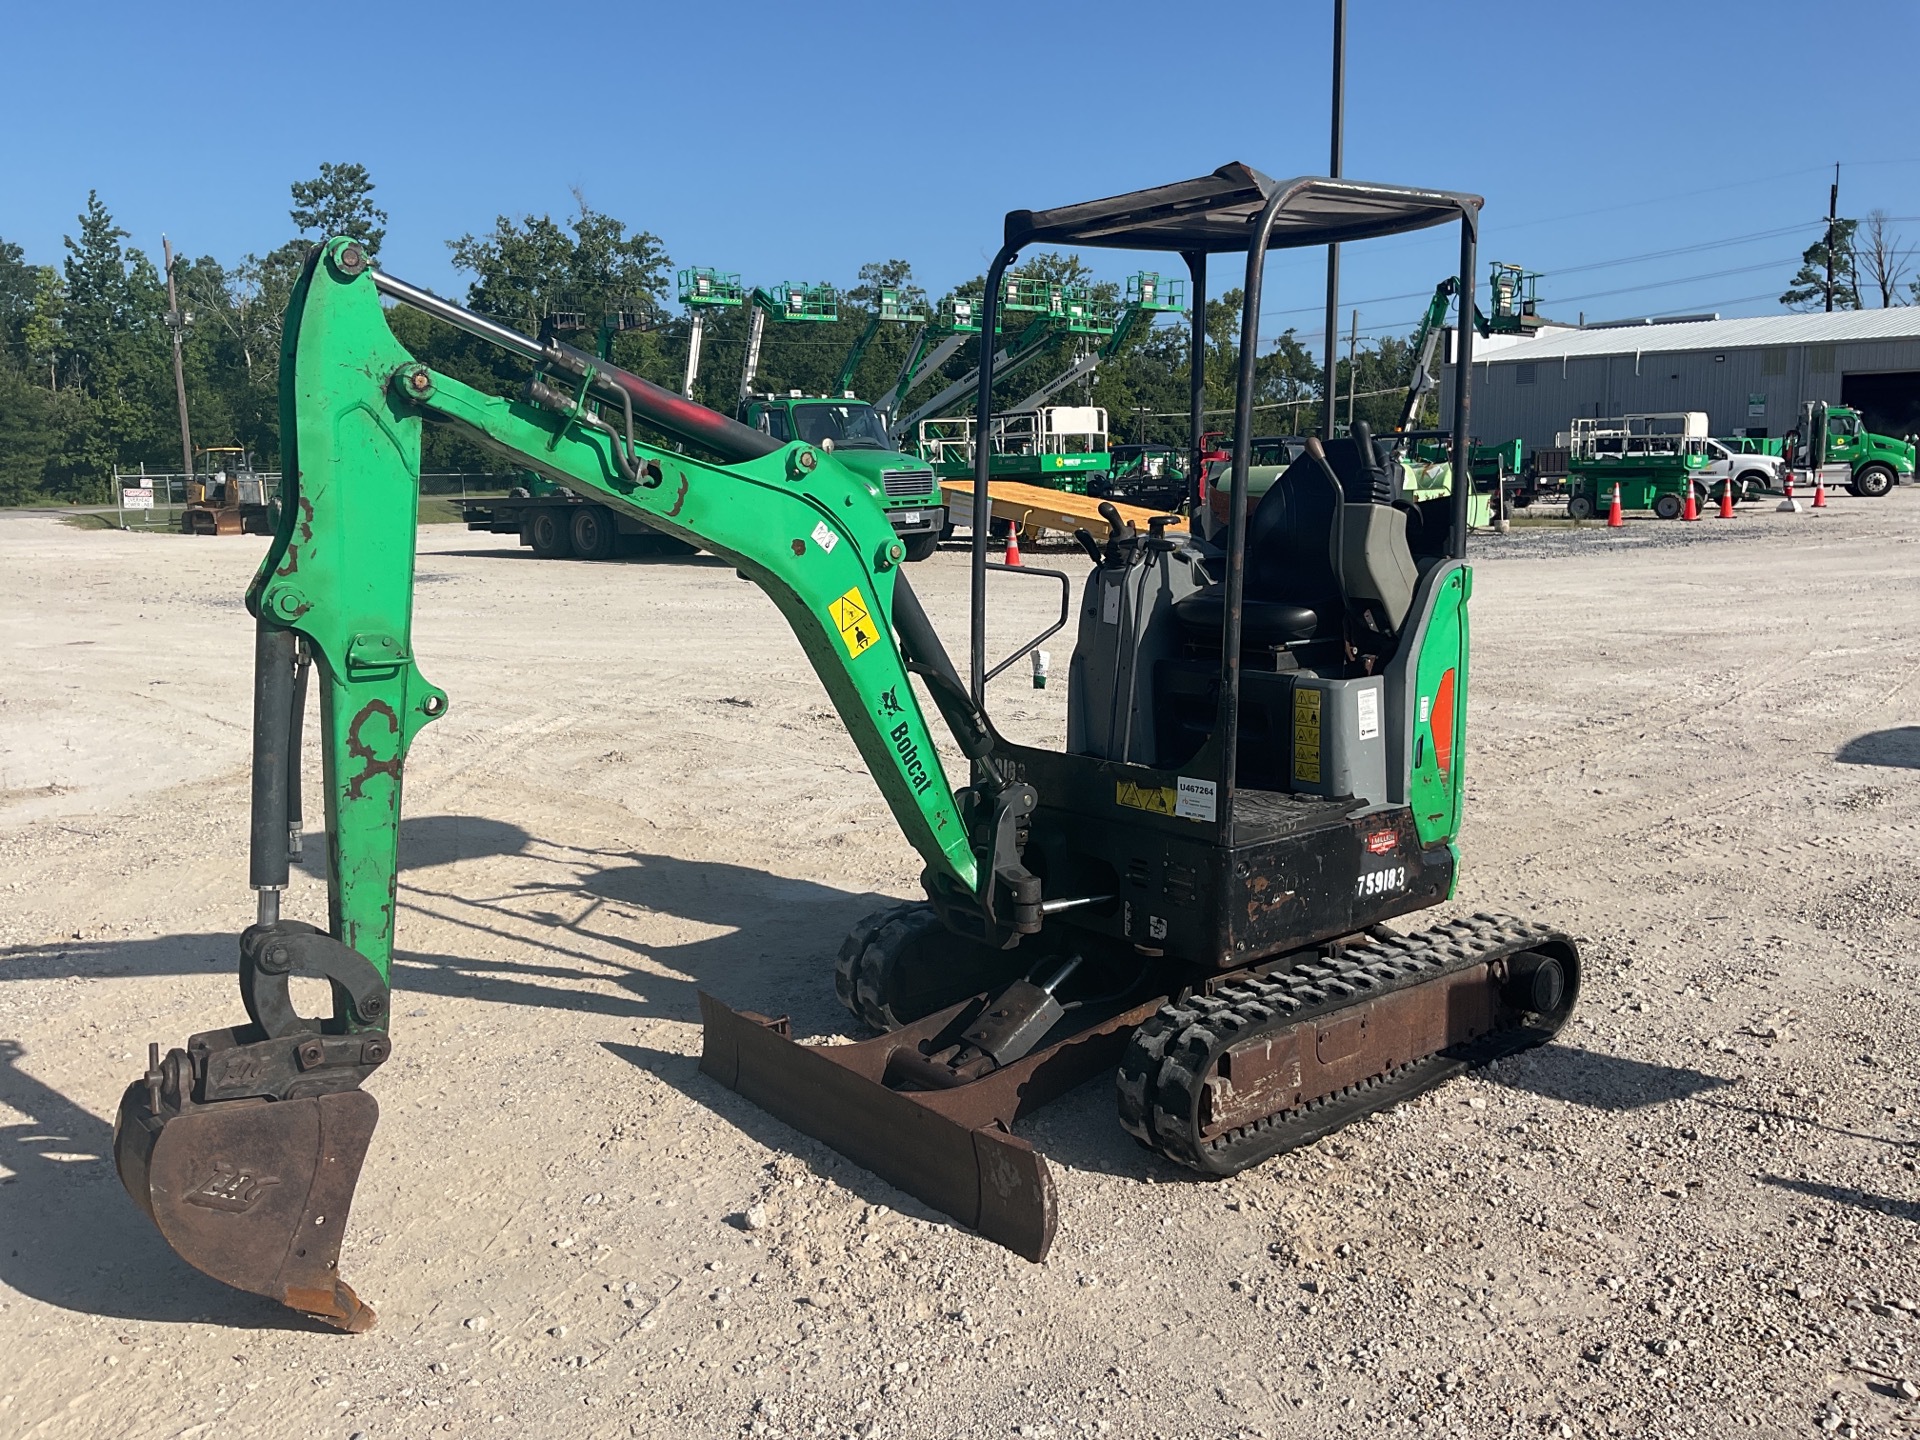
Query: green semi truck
x=1832, y=440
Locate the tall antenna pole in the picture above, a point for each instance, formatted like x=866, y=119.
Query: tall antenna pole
x=1333, y=251
x=177, y=323
x=1833, y=214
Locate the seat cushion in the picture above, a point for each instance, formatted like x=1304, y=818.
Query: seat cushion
x=1262, y=622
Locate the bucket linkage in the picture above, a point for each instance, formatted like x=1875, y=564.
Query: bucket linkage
x=245, y=1147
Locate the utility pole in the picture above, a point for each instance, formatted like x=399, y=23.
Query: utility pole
x=1833, y=214
x=1333, y=251
x=177, y=323
x=1353, y=373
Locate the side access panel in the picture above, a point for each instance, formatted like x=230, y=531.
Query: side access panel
x=1427, y=704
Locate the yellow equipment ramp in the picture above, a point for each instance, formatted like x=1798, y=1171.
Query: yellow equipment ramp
x=1034, y=508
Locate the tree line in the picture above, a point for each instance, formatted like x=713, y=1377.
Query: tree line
x=86, y=379
x=1855, y=266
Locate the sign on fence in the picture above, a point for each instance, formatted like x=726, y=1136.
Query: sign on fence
x=139, y=497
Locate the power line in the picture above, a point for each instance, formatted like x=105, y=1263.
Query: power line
x=1272, y=405
x=1687, y=194
x=1678, y=280
x=1591, y=265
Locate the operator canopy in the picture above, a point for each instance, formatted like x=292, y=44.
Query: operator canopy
x=1218, y=212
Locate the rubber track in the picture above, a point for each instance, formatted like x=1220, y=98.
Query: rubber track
x=1171, y=1056
x=870, y=949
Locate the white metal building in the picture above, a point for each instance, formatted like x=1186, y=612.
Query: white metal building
x=1749, y=376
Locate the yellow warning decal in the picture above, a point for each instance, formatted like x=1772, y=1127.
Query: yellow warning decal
x=1306, y=736
x=850, y=618
x=1159, y=799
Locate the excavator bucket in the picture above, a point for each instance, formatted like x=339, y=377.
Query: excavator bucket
x=253, y=1192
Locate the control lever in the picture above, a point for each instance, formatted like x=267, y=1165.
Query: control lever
x=1087, y=543
x=1380, y=483
x=1119, y=532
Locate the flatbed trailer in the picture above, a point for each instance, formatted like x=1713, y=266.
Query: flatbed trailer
x=560, y=525
x=1067, y=472
x=1033, y=508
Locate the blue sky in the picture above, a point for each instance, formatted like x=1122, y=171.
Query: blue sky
x=799, y=142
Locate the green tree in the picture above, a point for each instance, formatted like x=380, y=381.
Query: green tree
x=528, y=269
x=1809, y=289
x=111, y=291
x=40, y=330
x=339, y=201
x=878, y=275
x=115, y=349
x=18, y=281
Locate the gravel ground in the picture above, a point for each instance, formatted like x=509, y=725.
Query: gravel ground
x=1693, y=746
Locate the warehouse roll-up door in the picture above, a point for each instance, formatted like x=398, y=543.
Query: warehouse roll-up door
x=1888, y=402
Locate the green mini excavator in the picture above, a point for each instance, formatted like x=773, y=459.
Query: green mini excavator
x=1264, y=755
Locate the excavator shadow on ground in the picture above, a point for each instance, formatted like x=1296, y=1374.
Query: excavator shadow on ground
x=557, y=931
x=1898, y=748
x=58, y=1193
x=69, y=1238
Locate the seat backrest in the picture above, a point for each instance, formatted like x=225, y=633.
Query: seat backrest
x=1290, y=545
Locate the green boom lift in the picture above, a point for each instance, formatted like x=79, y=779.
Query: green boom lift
x=1264, y=758
x=934, y=343
x=892, y=309
x=790, y=304
x=702, y=289
x=1057, y=310
x=952, y=438
x=1148, y=296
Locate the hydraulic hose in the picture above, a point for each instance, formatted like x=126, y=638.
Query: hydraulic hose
x=659, y=407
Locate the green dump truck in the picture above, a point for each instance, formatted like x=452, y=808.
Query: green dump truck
x=852, y=430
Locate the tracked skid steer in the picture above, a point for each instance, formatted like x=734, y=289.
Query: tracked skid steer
x=1263, y=766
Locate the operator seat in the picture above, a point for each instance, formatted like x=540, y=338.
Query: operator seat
x=1292, y=589
x=1313, y=547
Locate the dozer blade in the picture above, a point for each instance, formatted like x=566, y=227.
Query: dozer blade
x=949, y=1148
x=253, y=1192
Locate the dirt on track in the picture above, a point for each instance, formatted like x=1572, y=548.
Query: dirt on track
x=1693, y=746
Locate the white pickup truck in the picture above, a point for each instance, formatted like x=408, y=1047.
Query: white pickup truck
x=1752, y=475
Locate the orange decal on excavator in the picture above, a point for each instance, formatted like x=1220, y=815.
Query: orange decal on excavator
x=1442, y=722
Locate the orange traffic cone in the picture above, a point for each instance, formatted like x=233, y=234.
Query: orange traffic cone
x=1819, y=492
x=1789, y=505
x=1726, y=498
x=1013, y=545
x=1691, y=510
x=1615, y=520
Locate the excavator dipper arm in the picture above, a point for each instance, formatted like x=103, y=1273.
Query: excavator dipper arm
x=245, y=1147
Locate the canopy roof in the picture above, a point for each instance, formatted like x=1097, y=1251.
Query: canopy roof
x=1218, y=212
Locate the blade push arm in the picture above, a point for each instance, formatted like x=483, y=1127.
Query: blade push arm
x=340, y=573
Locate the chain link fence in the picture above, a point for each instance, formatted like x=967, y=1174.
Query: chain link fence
x=146, y=501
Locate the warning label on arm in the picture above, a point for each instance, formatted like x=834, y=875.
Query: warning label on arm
x=850, y=618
